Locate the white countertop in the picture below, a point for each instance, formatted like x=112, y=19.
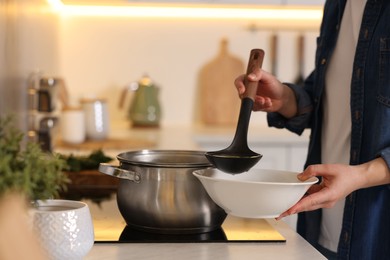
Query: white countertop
x=186, y=137
x=109, y=223
x=295, y=247
x=189, y=136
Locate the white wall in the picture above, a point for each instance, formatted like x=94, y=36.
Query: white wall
x=99, y=55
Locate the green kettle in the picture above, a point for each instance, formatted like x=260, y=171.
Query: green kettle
x=144, y=109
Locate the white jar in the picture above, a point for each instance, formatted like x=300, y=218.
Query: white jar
x=73, y=125
x=96, y=118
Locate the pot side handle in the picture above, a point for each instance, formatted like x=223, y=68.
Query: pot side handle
x=119, y=173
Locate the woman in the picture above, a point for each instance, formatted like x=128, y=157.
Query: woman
x=346, y=104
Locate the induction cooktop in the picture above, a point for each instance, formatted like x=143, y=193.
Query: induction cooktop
x=110, y=227
x=131, y=235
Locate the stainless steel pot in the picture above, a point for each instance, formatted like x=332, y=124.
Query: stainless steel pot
x=158, y=192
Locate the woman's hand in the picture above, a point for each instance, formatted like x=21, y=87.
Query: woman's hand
x=271, y=96
x=338, y=181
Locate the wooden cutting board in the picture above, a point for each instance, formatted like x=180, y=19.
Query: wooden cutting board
x=218, y=99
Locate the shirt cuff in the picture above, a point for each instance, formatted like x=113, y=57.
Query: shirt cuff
x=298, y=123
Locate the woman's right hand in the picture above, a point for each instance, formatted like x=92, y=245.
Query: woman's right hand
x=271, y=96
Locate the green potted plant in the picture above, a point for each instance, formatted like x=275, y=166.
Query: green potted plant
x=25, y=168
x=32, y=175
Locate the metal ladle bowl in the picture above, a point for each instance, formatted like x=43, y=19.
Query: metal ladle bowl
x=238, y=158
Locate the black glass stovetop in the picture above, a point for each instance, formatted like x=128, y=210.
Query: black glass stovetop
x=232, y=230
x=131, y=235
x=110, y=227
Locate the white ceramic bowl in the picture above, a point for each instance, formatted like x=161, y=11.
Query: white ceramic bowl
x=258, y=193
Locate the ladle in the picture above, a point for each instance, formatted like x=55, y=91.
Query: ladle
x=238, y=158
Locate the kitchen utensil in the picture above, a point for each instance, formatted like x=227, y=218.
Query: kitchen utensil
x=47, y=132
x=219, y=106
x=96, y=118
x=44, y=92
x=259, y=193
x=274, y=51
x=47, y=93
x=300, y=55
x=72, y=123
x=238, y=158
x=158, y=193
x=145, y=109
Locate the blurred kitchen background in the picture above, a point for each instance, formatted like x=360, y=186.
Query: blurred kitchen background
x=97, y=53
x=192, y=50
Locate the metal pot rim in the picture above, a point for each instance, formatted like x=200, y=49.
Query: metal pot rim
x=165, y=158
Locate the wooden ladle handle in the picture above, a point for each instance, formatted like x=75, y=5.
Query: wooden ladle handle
x=255, y=61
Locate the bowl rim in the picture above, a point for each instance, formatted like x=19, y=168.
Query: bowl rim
x=310, y=181
x=66, y=205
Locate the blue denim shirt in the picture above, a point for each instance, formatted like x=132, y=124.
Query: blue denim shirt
x=366, y=225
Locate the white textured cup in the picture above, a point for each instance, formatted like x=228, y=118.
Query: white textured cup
x=73, y=126
x=64, y=228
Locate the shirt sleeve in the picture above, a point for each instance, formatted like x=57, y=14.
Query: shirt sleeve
x=385, y=154
x=298, y=123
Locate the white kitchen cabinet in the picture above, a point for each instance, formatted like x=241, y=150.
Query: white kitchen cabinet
x=274, y=156
x=279, y=156
x=297, y=157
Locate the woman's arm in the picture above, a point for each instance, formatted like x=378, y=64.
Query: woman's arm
x=338, y=181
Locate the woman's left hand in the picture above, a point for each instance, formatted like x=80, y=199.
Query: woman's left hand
x=338, y=181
